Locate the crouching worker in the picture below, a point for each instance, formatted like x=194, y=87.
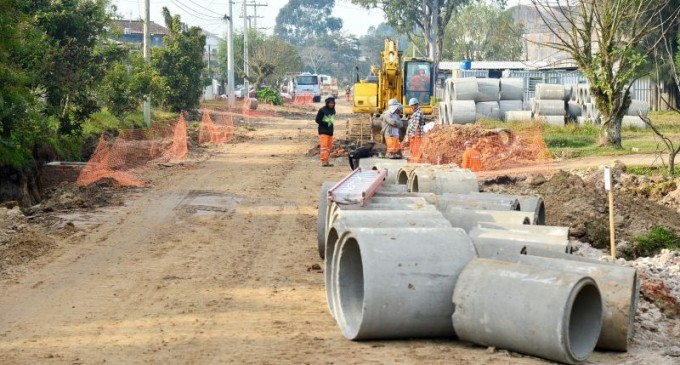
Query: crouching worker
x=368, y=149
x=325, y=119
x=391, y=126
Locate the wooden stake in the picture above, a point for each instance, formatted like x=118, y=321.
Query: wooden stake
x=608, y=187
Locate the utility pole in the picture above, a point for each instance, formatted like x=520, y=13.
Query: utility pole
x=246, y=89
x=230, y=58
x=147, y=60
x=255, y=6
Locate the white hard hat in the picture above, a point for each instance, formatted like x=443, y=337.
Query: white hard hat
x=413, y=101
x=392, y=102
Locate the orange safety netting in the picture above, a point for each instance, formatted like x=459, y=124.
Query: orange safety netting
x=117, y=158
x=500, y=149
x=218, y=132
x=303, y=98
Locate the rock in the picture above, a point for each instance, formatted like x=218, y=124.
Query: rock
x=673, y=351
x=535, y=180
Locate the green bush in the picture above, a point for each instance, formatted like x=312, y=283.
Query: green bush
x=269, y=95
x=655, y=240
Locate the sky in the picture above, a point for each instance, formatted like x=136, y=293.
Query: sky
x=207, y=13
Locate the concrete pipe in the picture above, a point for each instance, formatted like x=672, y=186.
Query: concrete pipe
x=638, y=106
x=462, y=112
x=554, y=231
x=468, y=218
x=392, y=189
x=487, y=109
x=480, y=201
x=347, y=220
x=465, y=89
x=632, y=121
x=404, y=173
x=396, y=203
x=517, y=116
x=440, y=182
x=512, y=89
x=552, y=314
x=619, y=287
x=505, y=106
x=387, y=287
x=569, y=94
x=550, y=108
x=556, y=120
x=550, y=92
x=488, y=90
x=485, y=238
x=449, y=90
x=392, y=166
x=574, y=110
x=443, y=113
x=322, y=215
x=531, y=203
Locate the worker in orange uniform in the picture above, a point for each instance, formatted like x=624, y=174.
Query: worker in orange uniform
x=325, y=119
x=414, y=132
x=472, y=158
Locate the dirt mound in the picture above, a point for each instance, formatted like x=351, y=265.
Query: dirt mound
x=581, y=203
x=500, y=148
x=71, y=196
x=19, y=242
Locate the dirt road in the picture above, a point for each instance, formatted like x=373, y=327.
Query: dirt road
x=210, y=265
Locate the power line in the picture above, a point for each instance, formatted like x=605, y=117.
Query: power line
x=194, y=13
x=204, y=8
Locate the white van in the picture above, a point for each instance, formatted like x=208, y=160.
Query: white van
x=308, y=83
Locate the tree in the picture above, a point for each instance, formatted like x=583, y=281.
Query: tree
x=483, y=32
x=604, y=39
x=426, y=19
x=178, y=65
x=301, y=21
x=316, y=58
x=270, y=58
x=66, y=64
x=19, y=122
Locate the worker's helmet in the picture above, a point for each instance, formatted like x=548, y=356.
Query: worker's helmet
x=413, y=101
x=329, y=98
x=392, y=102
x=467, y=143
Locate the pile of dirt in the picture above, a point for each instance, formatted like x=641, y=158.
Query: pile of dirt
x=67, y=197
x=500, y=148
x=581, y=203
x=19, y=242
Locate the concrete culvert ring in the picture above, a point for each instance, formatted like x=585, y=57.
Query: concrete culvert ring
x=331, y=242
x=584, y=319
x=350, y=288
x=402, y=177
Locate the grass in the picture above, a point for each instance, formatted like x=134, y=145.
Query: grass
x=573, y=141
x=655, y=240
x=651, y=170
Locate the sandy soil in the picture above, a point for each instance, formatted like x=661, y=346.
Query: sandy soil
x=212, y=264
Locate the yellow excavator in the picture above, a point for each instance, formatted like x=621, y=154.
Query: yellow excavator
x=398, y=77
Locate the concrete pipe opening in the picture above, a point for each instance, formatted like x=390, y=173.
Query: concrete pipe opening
x=526, y=221
x=402, y=177
x=414, y=184
x=585, y=320
x=331, y=242
x=351, y=287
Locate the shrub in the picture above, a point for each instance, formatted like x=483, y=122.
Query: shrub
x=269, y=95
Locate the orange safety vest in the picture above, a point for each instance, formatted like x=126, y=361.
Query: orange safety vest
x=472, y=159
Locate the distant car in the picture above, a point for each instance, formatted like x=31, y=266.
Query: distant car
x=239, y=92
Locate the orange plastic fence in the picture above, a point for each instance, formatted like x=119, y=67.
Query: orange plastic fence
x=119, y=157
x=303, y=98
x=525, y=149
x=218, y=132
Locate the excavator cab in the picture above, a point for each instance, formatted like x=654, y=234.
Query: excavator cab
x=419, y=82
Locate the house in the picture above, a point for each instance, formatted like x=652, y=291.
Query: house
x=132, y=32
x=536, y=34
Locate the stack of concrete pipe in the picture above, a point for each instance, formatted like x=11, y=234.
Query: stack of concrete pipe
x=550, y=103
x=429, y=264
x=469, y=99
x=590, y=114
